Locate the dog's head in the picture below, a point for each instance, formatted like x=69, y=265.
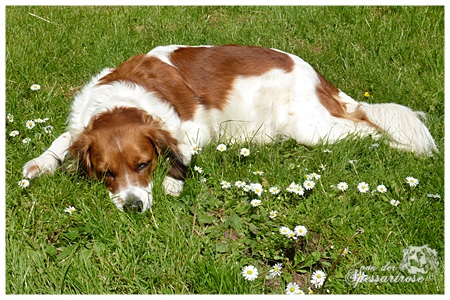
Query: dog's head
x=121, y=147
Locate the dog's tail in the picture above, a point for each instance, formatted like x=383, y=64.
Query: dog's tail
x=402, y=125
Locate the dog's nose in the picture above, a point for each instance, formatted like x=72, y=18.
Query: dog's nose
x=133, y=204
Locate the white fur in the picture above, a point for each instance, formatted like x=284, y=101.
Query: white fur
x=261, y=108
x=402, y=125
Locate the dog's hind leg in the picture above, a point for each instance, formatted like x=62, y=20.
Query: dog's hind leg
x=48, y=161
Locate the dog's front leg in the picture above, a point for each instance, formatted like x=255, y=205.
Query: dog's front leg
x=48, y=161
x=173, y=186
x=174, y=181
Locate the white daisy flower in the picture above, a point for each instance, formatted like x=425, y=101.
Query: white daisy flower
x=250, y=273
x=291, y=187
x=256, y=188
x=221, y=147
x=285, y=230
x=309, y=184
x=247, y=187
x=35, y=87
x=245, y=152
x=363, y=187
x=412, y=181
x=198, y=169
x=24, y=183
x=276, y=270
x=48, y=129
x=314, y=176
x=225, y=184
x=345, y=251
x=300, y=230
x=70, y=210
x=260, y=173
x=14, y=133
x=39, y=120
x=274, y=190
x=359, y=276
x=394, y=202
x=292, y=235
x=342, y=186
x=255, y=202
x=239, y=184
x=273, y=214
x=436, y=196
x=195, y=149
x=318, y=278
x=298, y=189
x=381, y=188
x=292, y=289
x=10, y=118
x=327, y=151
x=26, y=140
x=30, y=124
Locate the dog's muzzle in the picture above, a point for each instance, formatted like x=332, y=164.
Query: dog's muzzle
x=133, y=199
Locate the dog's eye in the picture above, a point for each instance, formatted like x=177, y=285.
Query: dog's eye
x=142, y=166
x=108, y=174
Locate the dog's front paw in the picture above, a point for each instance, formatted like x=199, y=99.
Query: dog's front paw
x=46, y=163
x=173, y=186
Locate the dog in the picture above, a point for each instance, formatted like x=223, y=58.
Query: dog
x=174, y=98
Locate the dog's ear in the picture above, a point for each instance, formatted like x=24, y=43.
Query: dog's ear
x=80, y=149
x=167, y=146
x=177, y=169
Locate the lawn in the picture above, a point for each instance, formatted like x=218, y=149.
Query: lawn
x=200, y=242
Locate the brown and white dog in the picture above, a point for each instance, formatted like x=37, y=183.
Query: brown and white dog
x=174, y=97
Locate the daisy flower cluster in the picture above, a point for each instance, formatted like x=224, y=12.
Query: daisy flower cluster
x=298, y=231
x=251, y=273
x=259, y=194
x=308, y=184
x=29, y=125
x=363, y=187
x=20, y=129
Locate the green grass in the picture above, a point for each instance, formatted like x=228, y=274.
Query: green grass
x=200, y=241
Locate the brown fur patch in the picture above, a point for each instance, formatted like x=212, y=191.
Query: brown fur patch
x=211, y=71
x=159, y=77
x=329, y=97
x=201, y=74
